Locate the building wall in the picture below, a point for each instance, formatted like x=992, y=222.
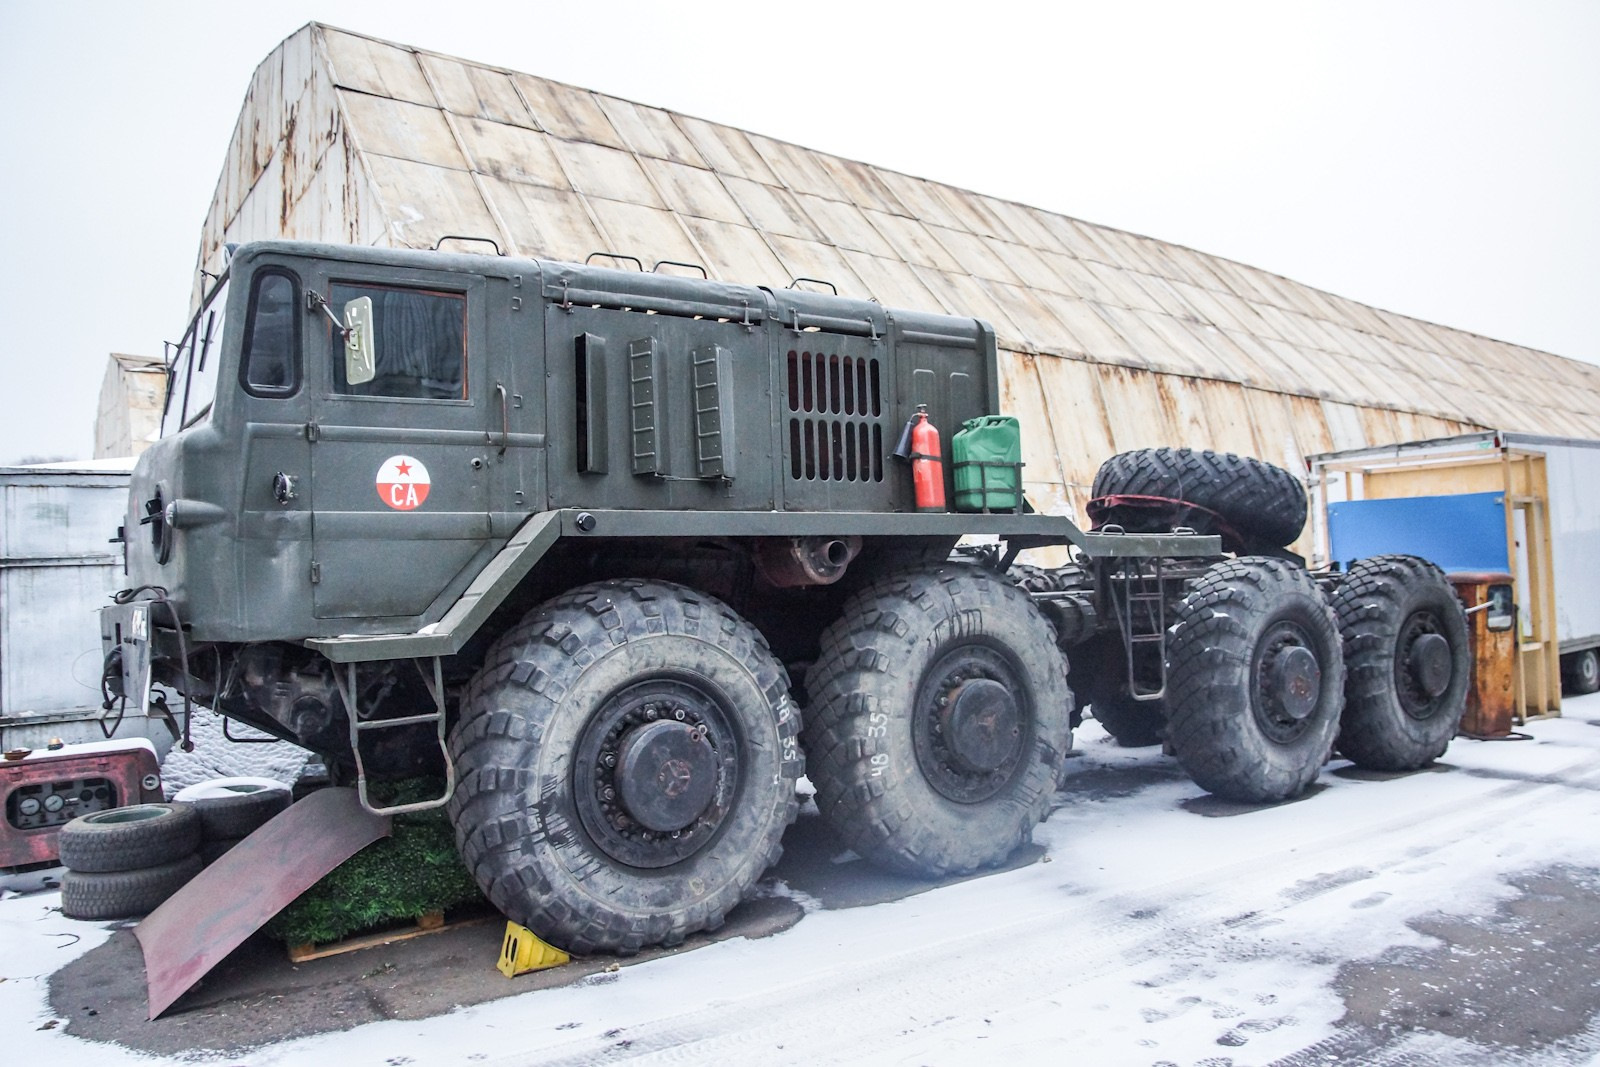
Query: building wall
x=129, y=413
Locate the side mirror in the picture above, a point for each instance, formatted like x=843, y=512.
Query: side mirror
x=360, y=357
x=1502, y=610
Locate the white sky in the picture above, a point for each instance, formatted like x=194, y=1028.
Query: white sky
x=1439, y=159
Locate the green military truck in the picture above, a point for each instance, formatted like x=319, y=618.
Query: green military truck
x=621, y=554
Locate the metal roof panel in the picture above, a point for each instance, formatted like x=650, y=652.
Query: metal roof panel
x=771, y=209
x=596, y=170
x=737, y=253
x=402, y=131
x=693, y=191
x=512, y=153
x=571, y=114
x=375, y=68
x=844, y=225
x=422, y=203
x=472, y=91
x=649, y=131
x=544, y=222
x=651, y=234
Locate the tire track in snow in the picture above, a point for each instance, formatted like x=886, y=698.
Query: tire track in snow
x=941, y=979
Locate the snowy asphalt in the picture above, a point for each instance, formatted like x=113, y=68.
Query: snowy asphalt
x=1451, y=916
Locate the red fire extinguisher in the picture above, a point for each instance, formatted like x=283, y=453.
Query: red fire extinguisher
x=920, y=444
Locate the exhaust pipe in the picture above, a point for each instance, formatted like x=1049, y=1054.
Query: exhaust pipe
x=788, y=562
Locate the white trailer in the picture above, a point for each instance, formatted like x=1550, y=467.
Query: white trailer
x=1515, y=502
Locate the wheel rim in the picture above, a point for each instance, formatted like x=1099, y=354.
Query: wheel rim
x=1422, y=665
x=970, y=723
x=118, y=816
x=656, y=771
x=1286, y=684
x=1589, y=668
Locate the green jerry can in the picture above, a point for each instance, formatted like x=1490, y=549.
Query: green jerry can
x=987, y=457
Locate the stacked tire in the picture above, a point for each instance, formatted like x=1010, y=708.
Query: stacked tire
x=125, y=861
x=232, y=809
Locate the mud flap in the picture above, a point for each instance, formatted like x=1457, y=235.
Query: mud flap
x=228, y=901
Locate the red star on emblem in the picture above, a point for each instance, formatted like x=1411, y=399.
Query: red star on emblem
x=403, y=469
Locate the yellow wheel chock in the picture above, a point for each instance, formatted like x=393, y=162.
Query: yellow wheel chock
x=522, y=951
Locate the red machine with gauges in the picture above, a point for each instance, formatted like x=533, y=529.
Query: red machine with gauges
x=44, y=789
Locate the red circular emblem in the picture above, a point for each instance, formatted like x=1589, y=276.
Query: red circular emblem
x=402, y=483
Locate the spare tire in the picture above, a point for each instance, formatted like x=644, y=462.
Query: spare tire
x=1260, y=501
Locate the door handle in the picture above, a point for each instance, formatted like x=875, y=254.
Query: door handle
x=505, y=418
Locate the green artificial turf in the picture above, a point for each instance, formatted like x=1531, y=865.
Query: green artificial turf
x=413, y=871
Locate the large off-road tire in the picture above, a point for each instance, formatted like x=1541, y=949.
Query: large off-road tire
x=1254, y=680
x=130, y=838
x=1580, y=672
x=938, y=720
x=124, y=894
x=1257, y=499
x=627, y=762
x=1407, y=662
x=234, y=808
x=1133, y=723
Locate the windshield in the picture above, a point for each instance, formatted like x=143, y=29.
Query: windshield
x=192, y=374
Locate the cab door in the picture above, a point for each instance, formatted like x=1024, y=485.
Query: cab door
x=400, y=451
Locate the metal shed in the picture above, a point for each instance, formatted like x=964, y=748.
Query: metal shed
x=1109, y=340
x=57, y=570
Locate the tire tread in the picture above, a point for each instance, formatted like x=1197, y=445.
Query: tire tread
x=1255, y=497
x=94, y=844
x=525, y=676
x=860, y=672
x=1370, y=604
x=1210, y=725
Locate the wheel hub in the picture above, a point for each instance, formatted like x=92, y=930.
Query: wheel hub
x=1429, y=663
x=981, y=724
x=970, y=722
x=666, y=774
x=1286, y=690
x=1423, y=663
x=655, y=771
x=1296, y=681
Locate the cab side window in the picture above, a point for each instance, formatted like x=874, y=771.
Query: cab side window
x=270, y=365
x=418, y=340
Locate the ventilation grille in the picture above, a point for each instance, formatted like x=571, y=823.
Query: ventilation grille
x=835, y=418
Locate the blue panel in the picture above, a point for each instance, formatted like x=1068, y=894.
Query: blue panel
x=1464, y=532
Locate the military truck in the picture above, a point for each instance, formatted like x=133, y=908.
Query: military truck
x=621, y=554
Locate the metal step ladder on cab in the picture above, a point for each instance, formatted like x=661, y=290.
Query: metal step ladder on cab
x=435, y=682
x=1140, y=604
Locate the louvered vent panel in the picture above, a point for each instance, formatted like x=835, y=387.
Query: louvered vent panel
x=835, y=417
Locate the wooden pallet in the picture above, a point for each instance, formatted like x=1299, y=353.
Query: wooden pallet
x=428, y=923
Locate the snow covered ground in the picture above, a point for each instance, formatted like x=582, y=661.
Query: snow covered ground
x=216, y=756
x=1161, y=927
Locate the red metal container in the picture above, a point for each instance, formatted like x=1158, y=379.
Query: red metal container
x=45, y=789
